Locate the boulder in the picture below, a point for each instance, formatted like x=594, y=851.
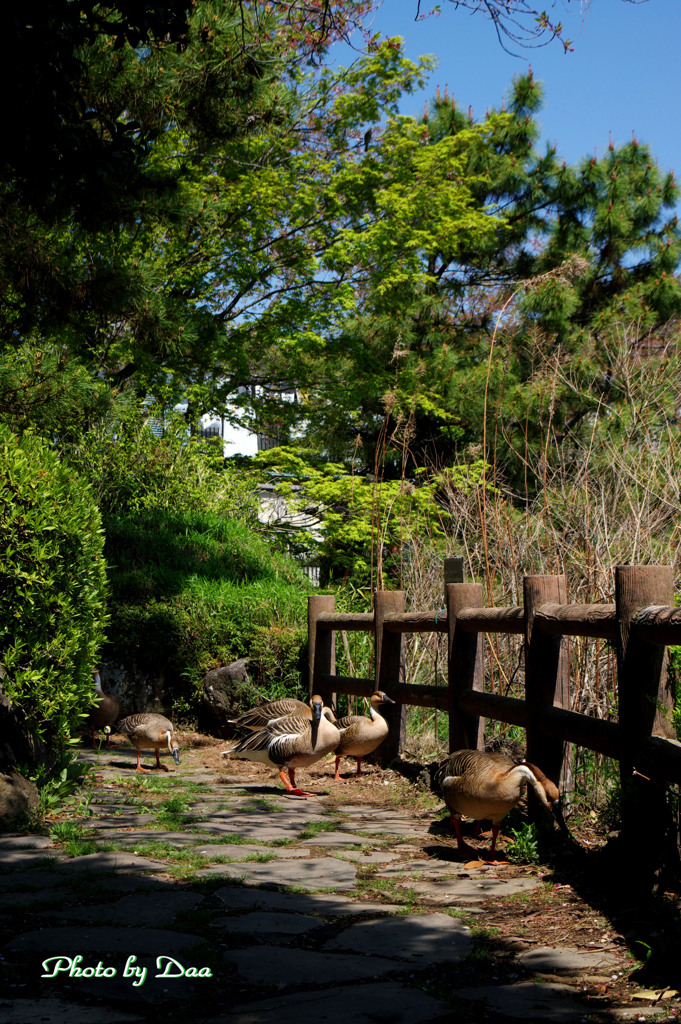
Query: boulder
x=135, y=690
x=225, y=690
x=18, y=796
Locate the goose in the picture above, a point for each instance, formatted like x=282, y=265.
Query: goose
x=260, y=717
x=150, y=731
x=361, y=735
x=483, y=785
x=290, y=742
x=105, y=711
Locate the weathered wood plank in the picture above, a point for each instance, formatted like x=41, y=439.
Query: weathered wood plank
x=594, y=733
x=321, y=652
x=592, y=620
x=511, y=710
x=658, y=624
x=389, y=650
x=492, y=620
x=346, y=620
x=416, y=622
x=464, y=668
x=547, y=681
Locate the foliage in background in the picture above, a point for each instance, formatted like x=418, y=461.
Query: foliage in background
x=358, y=529
x=131, y=467
x=193, y=590
x=574, y=250
x=231, y=213
x=52, y=585
x=610, y=495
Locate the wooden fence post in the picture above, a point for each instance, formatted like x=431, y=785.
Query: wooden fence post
x=389, y=668
x=453, y=570
x=547, y=681
x=321, y=647
x=646, y=704
x=645, y=699
x=464, y=667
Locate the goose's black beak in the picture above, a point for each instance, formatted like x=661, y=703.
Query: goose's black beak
x=176, y=755
x=557, y=811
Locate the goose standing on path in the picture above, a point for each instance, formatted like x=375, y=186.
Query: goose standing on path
x=289, y=743
x=260, y=717
x=150, y=731
x=361, y=735
x=104, y=713
x=482, y=785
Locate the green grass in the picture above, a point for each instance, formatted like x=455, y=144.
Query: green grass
x=66, y=831
x=187, y=857
x=372, y=884
x=259, y=803
x=81, y=847
x=173, y=813
x=190, y=588
x=313, y=828
x=484, y=944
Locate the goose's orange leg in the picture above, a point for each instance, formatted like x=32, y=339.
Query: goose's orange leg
x=291, y=786
x=461, y=844
x=163, y=767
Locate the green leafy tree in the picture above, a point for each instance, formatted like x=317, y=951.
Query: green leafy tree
x=447, y=363
x=148, y=120
x=358, y=529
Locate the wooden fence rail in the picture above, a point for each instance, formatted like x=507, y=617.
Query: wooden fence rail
x=640, y=624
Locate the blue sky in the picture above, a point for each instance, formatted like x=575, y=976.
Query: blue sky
x=624, y=75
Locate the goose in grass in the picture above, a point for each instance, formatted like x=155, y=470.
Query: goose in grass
x=289, y=743
x=260, y=717
x=150, y=731
x=480, y=785
x=104, y=713
x=361, y=735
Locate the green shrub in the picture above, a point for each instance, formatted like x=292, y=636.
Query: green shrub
x=52, y=585
x=525, y=846
x=130, y=468
x=191, y=591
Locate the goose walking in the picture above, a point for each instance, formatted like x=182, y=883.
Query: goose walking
x=260, y=717
x=361, y=735
x=289, y=743
x=104, y=713
x=149, y=731
x=482, y=785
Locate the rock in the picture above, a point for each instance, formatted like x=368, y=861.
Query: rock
x=135, y=690
x=18, y=796
x=223, y=697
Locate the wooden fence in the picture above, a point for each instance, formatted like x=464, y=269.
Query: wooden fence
x=640, y=624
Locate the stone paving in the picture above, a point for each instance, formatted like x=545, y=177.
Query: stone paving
x=208, y=900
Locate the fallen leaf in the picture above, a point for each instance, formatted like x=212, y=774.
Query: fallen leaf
x=653, y=995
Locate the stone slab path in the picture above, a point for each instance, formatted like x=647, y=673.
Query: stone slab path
x=199, y=897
